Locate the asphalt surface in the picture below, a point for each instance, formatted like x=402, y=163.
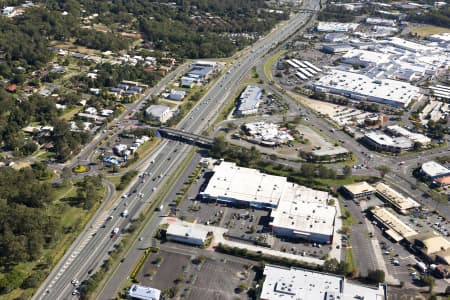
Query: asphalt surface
x=91, y=247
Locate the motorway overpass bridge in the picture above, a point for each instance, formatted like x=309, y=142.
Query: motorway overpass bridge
x=180, y=135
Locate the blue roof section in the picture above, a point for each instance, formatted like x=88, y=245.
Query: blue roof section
x=199, y=71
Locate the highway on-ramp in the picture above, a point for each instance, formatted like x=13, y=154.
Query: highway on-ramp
x=92, y=246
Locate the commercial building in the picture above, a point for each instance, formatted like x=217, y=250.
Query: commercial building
x=335, y=37
x=364, y=58
x=297, y=211
x=199, y=73
x=380, y=21
x=408, y=45
x=358, y=190
x=95, y=118
x=161, y=113
x=329, y=154
x=187, y=82
x=120, y=149
x=249, y=100
x=436, y=172
x=361, y=87
x=403, y=132
x=336, y=48
x=176, y=95
x=187, y=233
x=382, y=142
x=401, y=203
x=201, y=69
x=282, y=283
x=431, y=246
x=304, y=213
x=441, y=92
x=244, y=186
x=440, y=37
x=140, y=292
x=267, y=134
x=395, y=228
x=401, y=139
x=336, y=27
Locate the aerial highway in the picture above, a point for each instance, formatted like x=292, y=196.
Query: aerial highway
x=92, y=246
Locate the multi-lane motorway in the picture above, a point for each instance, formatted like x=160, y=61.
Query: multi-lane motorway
x=93, y=244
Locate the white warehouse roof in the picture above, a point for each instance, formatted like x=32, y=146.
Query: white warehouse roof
x=358, y=86
x=283, y=283
x=157, y=110
x=304, y=210
x=336, y=27
x=408, y=45
x=143, y=293
x=434, y=169
x=415, y=137
x=365, y=57
x=187, y=230
x=249, y=100
x=385, y=140
x=245, y=184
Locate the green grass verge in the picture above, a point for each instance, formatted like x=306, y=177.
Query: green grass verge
x=268, y=64
x=114, y=179
x=350, y=260
x=426, y=30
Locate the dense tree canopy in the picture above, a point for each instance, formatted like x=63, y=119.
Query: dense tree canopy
x=25, y=227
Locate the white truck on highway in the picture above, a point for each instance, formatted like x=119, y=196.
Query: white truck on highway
x=125, y=213
x=114, y=232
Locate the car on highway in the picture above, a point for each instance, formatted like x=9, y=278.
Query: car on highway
x=75, y=292
x=114, y=232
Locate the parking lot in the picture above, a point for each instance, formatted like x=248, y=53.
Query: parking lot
x=424, y=221
x=193, y=276
x=399, y=261
x=272, y=104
